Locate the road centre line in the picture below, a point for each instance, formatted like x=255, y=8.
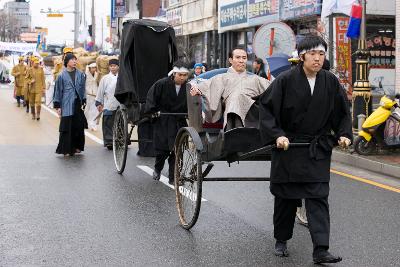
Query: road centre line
x=91, y=136
x=163, y=179
x=363, y=180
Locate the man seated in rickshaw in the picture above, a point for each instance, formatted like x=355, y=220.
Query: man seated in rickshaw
x=231, y=93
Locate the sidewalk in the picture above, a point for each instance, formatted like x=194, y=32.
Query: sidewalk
x=383, y=164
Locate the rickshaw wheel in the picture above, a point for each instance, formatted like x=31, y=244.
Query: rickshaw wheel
x=188, y=180
x=120, y=139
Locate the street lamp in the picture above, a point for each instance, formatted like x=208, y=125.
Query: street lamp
x=361, y=97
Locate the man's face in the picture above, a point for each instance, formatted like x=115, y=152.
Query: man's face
x=114, y=68
x=180, y=77
x=21, y=62
x=313, y=60
x=197, y=70
x=238, y=60
x=36, y=64
x=72, y=63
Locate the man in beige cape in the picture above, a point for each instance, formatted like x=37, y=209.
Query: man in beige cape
x=231, y=93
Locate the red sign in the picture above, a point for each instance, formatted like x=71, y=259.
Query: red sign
x=343, y=53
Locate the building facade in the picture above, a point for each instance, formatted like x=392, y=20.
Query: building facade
x=21, y=12
x=124, y=10
x=18, y=18
x=195, y=24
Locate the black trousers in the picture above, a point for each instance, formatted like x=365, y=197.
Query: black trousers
x=161, y=156
x=107, y=128
x=317, y=210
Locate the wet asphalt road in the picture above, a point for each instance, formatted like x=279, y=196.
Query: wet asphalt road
x=57, y=211
x=78, y=211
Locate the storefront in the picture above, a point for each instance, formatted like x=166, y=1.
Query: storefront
x=195, y=26
x=381, y=43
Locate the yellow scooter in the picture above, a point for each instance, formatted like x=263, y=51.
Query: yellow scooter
x=381, y=129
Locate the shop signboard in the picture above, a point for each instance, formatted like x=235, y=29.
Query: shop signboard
x=343, y=53
x=232, y=15
x=118, y=8
x=293, y=9
x=261, y=12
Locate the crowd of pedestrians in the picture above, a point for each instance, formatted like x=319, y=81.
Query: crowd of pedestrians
x=79, y=100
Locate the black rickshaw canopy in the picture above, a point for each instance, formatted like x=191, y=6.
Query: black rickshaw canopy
x=148, y=51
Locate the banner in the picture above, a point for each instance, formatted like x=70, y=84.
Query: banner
x=343, y=53
x=17, y=47
x=233, y=15
x=261, y=12
x=290, y=9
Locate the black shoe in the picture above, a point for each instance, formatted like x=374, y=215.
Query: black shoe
x=171, y=181
x=156, y=175
x=323, y=256
x=109, y=147
x=281, y=249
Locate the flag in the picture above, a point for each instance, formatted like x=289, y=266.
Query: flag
x=336, y=6
x=353, y=31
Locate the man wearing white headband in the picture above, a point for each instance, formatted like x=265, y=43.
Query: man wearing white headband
x=306, y=104
x=167, y=95
x=234, y=90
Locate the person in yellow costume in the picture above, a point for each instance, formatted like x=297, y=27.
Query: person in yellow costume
x=19, y=73
x=25, y=90
x=37, y=87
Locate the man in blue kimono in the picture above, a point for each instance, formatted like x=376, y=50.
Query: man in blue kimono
x=69, y=101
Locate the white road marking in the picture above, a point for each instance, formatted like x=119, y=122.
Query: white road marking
x=164, y=180
x=91, y=136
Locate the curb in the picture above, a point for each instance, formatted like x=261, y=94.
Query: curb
x=367, y=164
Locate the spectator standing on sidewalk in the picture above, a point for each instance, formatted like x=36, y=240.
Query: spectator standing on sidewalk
x=69, y=101
x=91, y=92
x=106, y=101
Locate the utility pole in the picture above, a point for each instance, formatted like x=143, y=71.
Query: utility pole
x=362, y=99
x=76, y=25
x=93, y=25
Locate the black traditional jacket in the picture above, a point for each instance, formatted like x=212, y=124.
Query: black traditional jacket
x=162, y=97
x=288, y=108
